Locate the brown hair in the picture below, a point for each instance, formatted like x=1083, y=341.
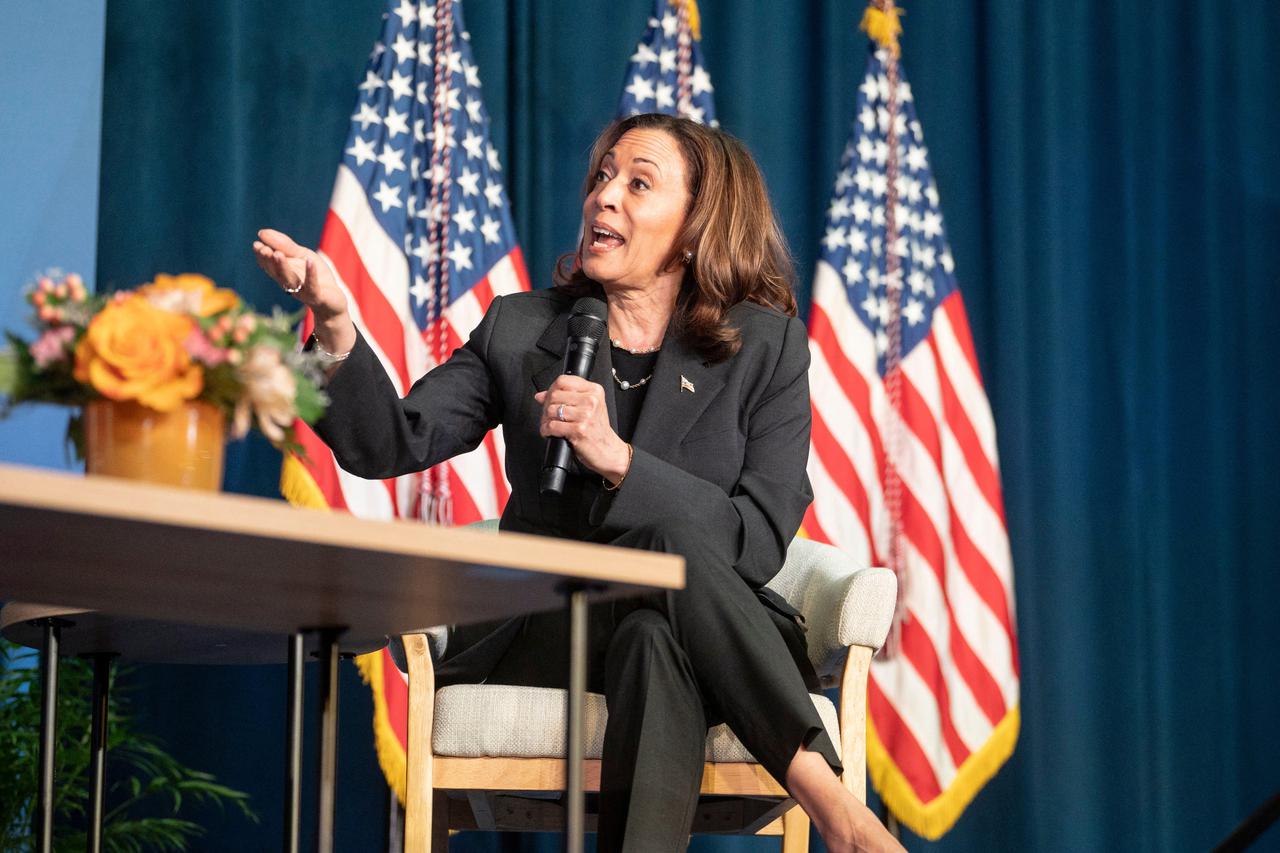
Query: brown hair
x=739, y=252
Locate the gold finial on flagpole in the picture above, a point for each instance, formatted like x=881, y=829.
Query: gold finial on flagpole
x=881, y=22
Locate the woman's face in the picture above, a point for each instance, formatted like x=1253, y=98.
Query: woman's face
x=635, y=210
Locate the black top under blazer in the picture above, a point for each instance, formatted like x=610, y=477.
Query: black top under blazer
x=731, y=452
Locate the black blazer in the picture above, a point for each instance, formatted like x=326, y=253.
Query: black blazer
x=731, y=452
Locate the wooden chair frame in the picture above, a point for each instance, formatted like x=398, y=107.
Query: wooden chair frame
x=502, y=793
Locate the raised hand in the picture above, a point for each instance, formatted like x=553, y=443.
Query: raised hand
x=303, y=274
x=300, y=272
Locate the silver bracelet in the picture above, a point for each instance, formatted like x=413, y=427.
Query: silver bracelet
x=327, y=358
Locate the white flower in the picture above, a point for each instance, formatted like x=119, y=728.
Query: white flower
x=268, y=393
x=176, y=301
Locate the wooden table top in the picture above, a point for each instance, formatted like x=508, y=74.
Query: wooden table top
x=232, y=561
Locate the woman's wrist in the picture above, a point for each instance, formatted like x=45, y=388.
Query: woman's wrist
x=618, y=471
x=337, y=334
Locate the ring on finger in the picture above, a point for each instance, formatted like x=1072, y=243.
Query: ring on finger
x=560, y=412
x=293, y=289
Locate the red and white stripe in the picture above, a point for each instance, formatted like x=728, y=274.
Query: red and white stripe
x=955, y=677
x=374, y=274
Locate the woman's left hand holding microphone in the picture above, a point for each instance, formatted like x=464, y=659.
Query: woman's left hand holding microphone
x=574, y=409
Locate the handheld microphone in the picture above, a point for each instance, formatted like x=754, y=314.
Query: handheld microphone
x=587, y=325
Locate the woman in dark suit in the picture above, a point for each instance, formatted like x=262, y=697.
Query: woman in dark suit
x=691, y=435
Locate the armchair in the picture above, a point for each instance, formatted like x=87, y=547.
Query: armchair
x=491, y=757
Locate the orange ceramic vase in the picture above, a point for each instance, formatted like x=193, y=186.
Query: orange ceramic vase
x=179, y=448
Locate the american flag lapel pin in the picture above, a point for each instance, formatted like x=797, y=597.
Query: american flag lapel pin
x=685, y=384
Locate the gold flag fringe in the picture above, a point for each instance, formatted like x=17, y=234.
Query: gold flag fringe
x=391, y=753
x=933, y=819
x=298, y=487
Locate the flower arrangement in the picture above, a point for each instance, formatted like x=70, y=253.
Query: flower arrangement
x=170, y=341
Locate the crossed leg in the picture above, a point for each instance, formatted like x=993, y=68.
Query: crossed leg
x=711, y=642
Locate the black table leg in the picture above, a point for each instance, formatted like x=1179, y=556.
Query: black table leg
x=98, y=749
x=328, y=738
x=293, y=747
x=48, y=726
x=575, y=811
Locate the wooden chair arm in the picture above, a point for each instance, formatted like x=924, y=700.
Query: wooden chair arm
x=421, y=760
x=853, y=720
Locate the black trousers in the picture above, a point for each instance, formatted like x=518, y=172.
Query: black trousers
x=670, y=666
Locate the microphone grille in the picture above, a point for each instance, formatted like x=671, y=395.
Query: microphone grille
x=587, y=319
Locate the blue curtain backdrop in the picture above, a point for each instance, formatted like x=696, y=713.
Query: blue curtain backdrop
x=1112, y=191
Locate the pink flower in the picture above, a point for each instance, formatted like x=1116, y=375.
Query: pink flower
x=244, y=328
x=202, y=350
x=52, y=346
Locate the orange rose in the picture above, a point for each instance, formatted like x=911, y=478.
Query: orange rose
x=189, y=293
x=135, y=351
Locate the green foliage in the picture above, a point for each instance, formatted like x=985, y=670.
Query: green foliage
x=9, y=368
x=21, y=381
x=143, y=779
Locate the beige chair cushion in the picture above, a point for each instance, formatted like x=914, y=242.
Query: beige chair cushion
x=494, y=720
x=844, y=604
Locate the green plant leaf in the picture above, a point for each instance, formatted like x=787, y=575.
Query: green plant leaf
x=310, y=401
x=145, y=777
x=8, y=371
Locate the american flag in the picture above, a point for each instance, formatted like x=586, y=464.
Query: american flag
x=904, y=466
x=419, y=235
x=666, y=74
